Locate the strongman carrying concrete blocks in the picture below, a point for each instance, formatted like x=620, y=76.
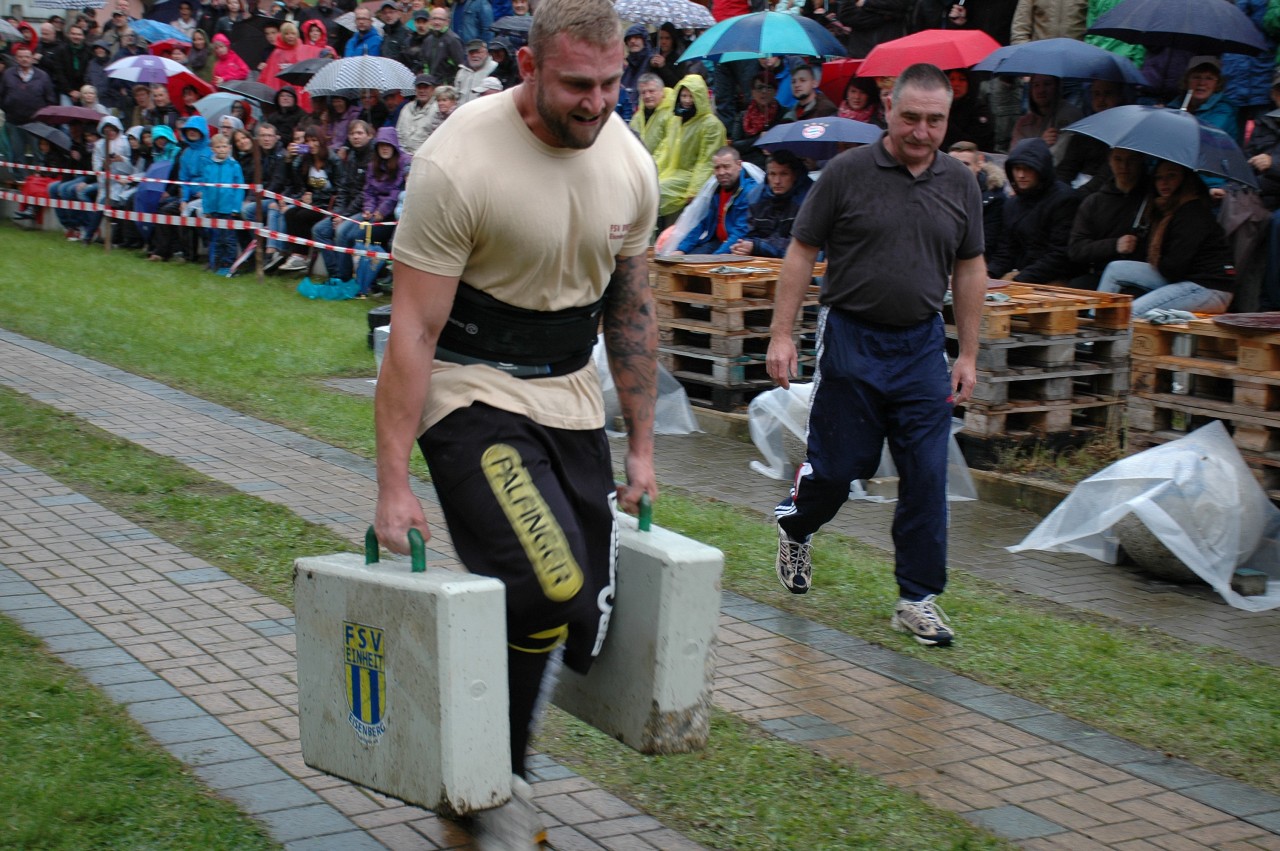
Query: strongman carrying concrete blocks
x=402, y=679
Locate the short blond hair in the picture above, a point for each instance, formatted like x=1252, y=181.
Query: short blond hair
x=594, y=21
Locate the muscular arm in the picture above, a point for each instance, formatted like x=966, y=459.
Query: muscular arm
x=631, y=340
x=968, y=291
x=421, y=302
x=797, y=272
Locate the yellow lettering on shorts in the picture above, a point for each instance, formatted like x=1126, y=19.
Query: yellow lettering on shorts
x=540, y=535
x=552, y=639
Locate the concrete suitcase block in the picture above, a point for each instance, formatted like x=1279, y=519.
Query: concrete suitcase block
x=402, y=680
x=651, y=685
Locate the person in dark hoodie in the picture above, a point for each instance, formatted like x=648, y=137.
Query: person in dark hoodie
x=636, y=63
x=286, y=114
x=1110, y=224
x=1037, y=219
x=773, y=207
x=1263, y=151
x=176, y=241
x=1189, y=264
x=507, y=72
x=113, y=93
x=349, y=203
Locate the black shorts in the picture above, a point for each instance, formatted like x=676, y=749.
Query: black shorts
x=534, y=507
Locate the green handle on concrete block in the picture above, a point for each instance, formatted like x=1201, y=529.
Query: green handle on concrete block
x=417, y=549
x=646, y=513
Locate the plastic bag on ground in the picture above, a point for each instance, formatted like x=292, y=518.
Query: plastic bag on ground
x=1195, y=494
x=778, y=420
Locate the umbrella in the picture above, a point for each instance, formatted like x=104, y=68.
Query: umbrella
x=517, y=25
x=260, y=92
x=818, y=138
x=249, y=39
x=945, y=48
x=1062, y=57
x=682, y=13
x=218, y=104
x=9, y=32
x=1169, y=134
x=52, y=135
x=761, y=34
x=361, y=72
x=348, y=21
x=153, y=31
x=300, y=72
x=145, y=69
x=1195, y=25
x=66, y=114
x=836, y=74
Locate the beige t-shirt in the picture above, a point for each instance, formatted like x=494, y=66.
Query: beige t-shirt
x=531, y=225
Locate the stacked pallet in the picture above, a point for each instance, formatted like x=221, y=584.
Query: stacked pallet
x=1186, y=375
x=1051, y=361
x=713, y=327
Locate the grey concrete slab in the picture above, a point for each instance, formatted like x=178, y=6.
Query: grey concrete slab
x=174, y=731
x=1111, y=749
x=129, y=672
x=1054, y=727
x=1234, y=798
x=1014, y=823
x=210, y=751
x=141, y=690
x=271, y=797
x=1171, y=773
x=1002, y=707
x=85, y=640
x=168, y=709
x=244, y=772
x=306, y=823
x=356, y=840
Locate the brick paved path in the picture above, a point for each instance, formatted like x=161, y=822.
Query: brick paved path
x=206, y=663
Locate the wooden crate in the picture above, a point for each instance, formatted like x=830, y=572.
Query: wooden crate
x=684, y=362
x=1040, y=418
x=1051, y=311
x=1026, y=352
x=1209, y=344
x=1051, y=384
x=729, y=281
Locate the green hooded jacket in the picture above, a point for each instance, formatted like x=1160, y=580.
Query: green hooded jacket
x=684, y=157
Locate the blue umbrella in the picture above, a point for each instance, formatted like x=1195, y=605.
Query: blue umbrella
x=1062, y=57
x=1169, y=134
x=762, y=34
x=818, y=138
x=1200, y=26
x=153, y=31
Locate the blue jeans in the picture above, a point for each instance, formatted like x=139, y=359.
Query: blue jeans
x=876, y=382
x=1161, y=293
x=65, y=190
x=336, y=263
x=22, y=148
x=1271, y=281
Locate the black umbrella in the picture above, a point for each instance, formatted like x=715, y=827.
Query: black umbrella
x=249, y=40
x=1195, y=25
x=300, y=72
x=514, y=25
x=52, y=135
x=260, y=92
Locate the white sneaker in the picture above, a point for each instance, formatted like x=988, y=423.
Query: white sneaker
x=514, y=826
x=925, y=620
x=295, y=263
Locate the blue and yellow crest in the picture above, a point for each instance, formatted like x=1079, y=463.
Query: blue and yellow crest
x=365, y=652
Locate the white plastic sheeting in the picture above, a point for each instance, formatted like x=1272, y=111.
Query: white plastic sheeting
x=781, y=415
x=1195, y=494
x=672, y=415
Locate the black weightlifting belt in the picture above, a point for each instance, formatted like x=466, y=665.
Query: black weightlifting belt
x=522, y=343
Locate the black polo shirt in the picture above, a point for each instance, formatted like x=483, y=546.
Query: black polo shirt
x=891, y=238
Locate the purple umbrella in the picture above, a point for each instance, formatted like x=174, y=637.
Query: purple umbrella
x=145, y=69
x=67, y=114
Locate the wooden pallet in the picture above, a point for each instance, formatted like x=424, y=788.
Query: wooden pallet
x=1210, y=344
x=704, y=394
x=728, y=343
x=722, y=282
x=1051, y=311
x=1041, y=418
x=1251, y=429
x=1205, y=382
x=1026, y=352
x=698, y=312
x=1051, y=384
x=701, y=365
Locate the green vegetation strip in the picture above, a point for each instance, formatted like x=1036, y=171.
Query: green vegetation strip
x=77, y=773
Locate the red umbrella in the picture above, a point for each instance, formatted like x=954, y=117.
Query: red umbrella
x=167, y=46
x=945, y=48
x=836, y=74
x=178, y=82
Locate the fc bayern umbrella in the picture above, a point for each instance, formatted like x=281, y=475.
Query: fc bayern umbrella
x=761, y=34
x=1169, y=134
x=947, y=49
x=1200, y=26
x=818, y=138
x=1062, y=57
x=361, y=72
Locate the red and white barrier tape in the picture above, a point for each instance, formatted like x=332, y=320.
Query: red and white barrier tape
x=46, y=201
x=298, y=240
x=46, y=168
x=186, y=221
x=294, y=202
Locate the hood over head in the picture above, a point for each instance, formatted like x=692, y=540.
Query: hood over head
x=198, y=124
x=387, y=136
x=1035, y=154
x=110, y=121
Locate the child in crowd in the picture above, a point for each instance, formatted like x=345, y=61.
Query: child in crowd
x=222, y=202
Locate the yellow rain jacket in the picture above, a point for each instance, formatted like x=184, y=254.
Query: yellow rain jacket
x=654, y=129
x=684, y=157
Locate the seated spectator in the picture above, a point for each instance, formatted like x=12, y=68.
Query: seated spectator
x=243, y=111
x=348, y=203
x=314, y=178
x=286, y=113
x=991, y=182
x=694, y=135
x=227, y=64
x=89, y=99
x=1037, y=219
x=411, y=128
x=810, y=101
x=1189, y=265
x=507, y=72
x=1204, y=98
x=650, y=121
x=1084, y=163
x=162, y=110
x=763, y=112
x=969, y=119
x=178, y=242
x=222, y=202
x=200, y=59
x=479, y=65
x=382, y=187
x=366, y=41
x=726, y=221
x=242, y=149
x=274, y=178
x=372, y=109
x=861, y=102
x=137, y=113
x=339, y=112
x=1047, y=114
x=1110, y=223
x=1263, y=151
x=445, y=102
x=111, y=154
x=773, y=207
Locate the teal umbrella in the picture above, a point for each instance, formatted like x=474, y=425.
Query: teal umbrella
x=762, y=34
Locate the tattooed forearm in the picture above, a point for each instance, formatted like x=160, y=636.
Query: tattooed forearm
x=631, y=340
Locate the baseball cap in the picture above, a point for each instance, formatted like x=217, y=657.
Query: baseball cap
x=477, y=44
x=422, y=15
x=387, y=4
x=425, y=80
x=1198, y=61
x=488, y=84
